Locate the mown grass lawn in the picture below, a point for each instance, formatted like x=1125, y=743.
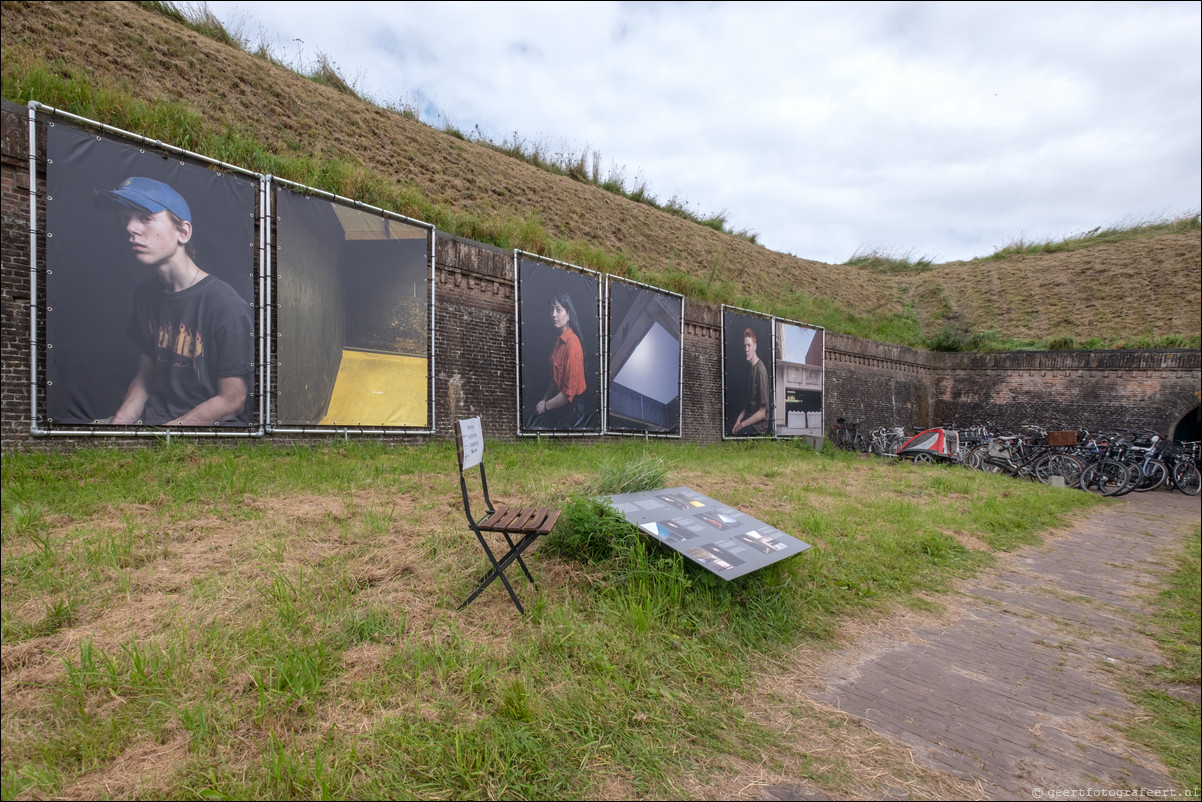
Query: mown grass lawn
x=259, y=621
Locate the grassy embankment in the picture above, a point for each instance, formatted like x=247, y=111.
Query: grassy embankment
x=906, y=320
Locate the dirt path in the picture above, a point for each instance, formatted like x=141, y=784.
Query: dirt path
x=1016, y=690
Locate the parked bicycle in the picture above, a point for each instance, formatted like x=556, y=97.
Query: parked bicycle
x=846, y=435
x=886, y=441
x=1033, y=457
x=1184, y=473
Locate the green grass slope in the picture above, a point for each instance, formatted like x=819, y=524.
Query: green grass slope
x=128, y=65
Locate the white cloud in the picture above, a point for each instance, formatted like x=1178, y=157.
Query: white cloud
x=944, y=129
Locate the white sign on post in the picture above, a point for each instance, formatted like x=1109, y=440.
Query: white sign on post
x=472, y=434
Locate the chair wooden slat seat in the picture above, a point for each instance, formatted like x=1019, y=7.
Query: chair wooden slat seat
x=498, y=519
x=525, y=520
x=526, y=523
x=549, y=522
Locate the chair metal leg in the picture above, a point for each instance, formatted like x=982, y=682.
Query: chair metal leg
x=499, y=566
x=521, y=562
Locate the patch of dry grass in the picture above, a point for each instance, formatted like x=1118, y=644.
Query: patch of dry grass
x=355, y=559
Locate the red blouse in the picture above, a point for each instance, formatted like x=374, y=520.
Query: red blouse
x=567, y=364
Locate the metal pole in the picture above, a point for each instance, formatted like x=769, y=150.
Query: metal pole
x=33, y=271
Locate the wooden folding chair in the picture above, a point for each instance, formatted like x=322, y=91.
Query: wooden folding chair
x=525, y=523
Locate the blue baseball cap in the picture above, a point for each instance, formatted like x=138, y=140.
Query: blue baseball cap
x=146, y=193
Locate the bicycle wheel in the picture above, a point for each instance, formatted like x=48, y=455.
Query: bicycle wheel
x=1187, y=478
x=976, y=459
x=1153, y=475
x=973, y=459
x=922, y=458
x=1110, y=477
x=1092, y=474
x=1089, y=477
x=1066, y=466
x=1132, y=477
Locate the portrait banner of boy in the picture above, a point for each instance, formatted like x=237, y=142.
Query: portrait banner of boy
x=149, y=288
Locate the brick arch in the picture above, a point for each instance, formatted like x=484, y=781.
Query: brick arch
x=1187, y=428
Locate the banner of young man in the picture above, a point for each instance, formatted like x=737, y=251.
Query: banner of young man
x=352, y=334
x=746, y=374
x=149, y=288
x=644, y=364
x=798, y=385
x=558, y=332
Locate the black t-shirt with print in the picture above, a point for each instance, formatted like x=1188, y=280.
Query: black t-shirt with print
x=196, y=337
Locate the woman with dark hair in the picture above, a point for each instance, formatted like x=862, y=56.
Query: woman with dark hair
x=558, y=408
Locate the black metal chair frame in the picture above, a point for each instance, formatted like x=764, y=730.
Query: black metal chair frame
x=527, y=524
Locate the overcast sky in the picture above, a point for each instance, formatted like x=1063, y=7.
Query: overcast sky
x=940, y=131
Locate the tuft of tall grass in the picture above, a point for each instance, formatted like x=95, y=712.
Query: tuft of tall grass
x=646, y=472
x=589, y=531
x=326, y=73
x=1123, y=231
x=199, y=18
x=889, y=262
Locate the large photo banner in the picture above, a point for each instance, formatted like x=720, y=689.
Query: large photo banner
x=352, y=334
x=151, y=269
x=798, y=386
x=746, y=374
x=643, y=363
x=559, y=337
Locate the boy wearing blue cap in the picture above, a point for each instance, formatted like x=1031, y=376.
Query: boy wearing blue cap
x=193, y=330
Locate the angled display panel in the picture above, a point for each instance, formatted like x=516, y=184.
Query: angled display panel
x=149, y=301
x=715, y=536
x=559, y=340
x=746, y=374
x=353, y=321
x=643, y=362
x=798, y=382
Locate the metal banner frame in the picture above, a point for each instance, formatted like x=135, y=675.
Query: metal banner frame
x=37, y=299
x=431, y=239
x=600, y=352
x=771, y=350
x=645, y=433
x=822, y=380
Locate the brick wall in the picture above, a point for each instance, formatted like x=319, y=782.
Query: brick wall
x=475, y=357
x=1070, y=389
x=475, y=362
x=882, y=385
x=14, y=273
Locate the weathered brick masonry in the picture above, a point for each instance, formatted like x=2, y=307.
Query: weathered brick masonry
x=475, y=357
x=1093, y=389
x=879, y=384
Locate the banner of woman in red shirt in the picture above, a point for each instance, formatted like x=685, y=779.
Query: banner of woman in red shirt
x=558, y=341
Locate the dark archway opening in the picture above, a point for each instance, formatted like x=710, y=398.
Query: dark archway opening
x=1187, y=428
